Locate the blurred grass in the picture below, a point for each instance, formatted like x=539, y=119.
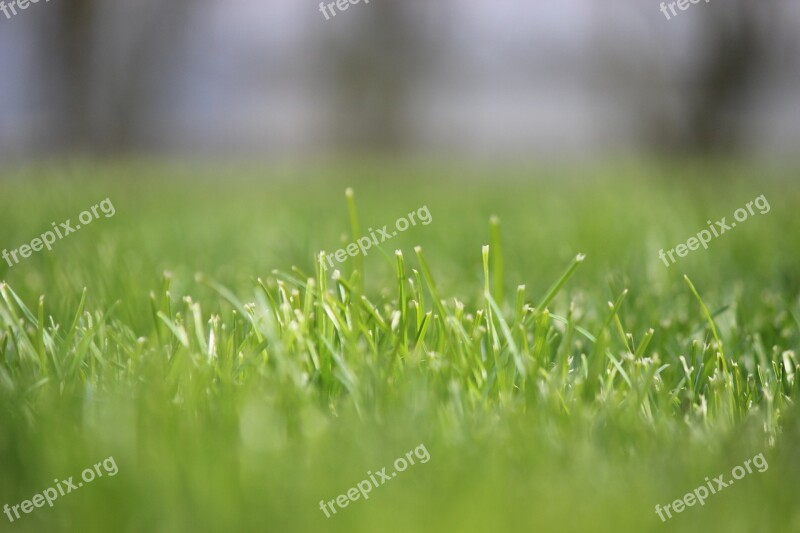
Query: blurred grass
x=203, y=449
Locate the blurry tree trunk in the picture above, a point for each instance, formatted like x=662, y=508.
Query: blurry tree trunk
x=69, y=74
x=374, y=70
x=103, y=63
x=689, y=104
x=726, y=76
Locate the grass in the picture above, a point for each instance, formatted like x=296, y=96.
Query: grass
x=561, y=377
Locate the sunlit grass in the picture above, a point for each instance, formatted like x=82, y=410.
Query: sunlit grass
x=561, y=377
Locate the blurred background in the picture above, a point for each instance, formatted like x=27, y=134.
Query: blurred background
x=552, y=79
x=226, y=131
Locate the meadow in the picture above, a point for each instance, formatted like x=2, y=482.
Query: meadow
x=560, y=376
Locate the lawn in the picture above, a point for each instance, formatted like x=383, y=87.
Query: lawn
x=528, y=341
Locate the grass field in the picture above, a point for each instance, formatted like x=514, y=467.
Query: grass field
x=562, y=379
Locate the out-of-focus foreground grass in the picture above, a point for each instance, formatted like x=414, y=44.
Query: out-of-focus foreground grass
x=238, y=399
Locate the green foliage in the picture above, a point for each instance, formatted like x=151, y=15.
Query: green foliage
x=237, y=398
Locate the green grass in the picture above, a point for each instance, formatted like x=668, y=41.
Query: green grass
x=561, y=377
